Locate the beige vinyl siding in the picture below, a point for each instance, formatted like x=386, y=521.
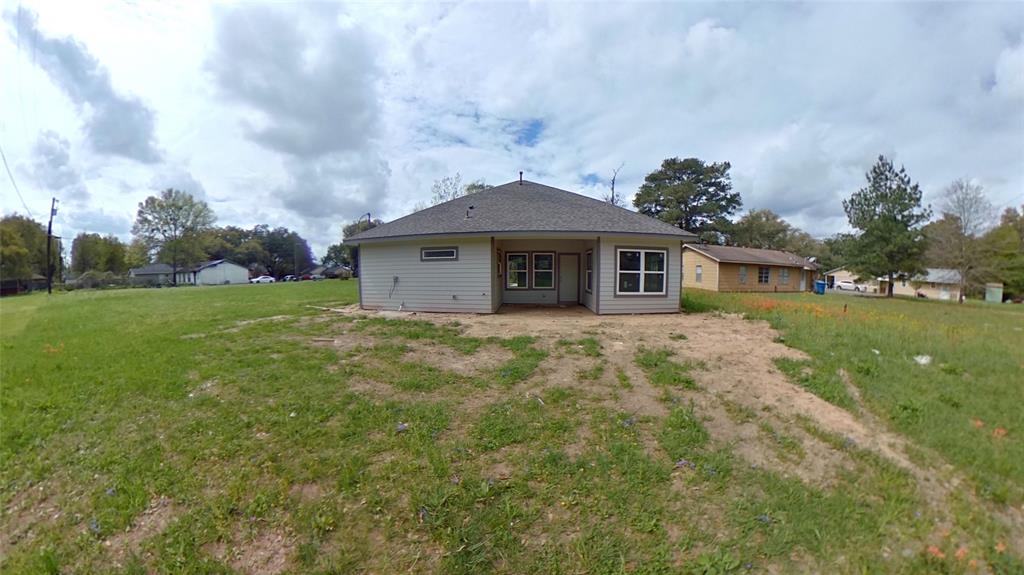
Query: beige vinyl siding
x=930, y=290
x=612, y=304
x=709, y=271
x=729, y=279
x=462, y=285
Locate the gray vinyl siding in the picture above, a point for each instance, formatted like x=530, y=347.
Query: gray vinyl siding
x=610, y=304
x=462, y=285
x=496, y=278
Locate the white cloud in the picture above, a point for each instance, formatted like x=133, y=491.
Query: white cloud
x=310, y=115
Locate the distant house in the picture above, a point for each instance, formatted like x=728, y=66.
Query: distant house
x=153, y=274
x=735, y=269
x=842, y=274
x=342, y=272
x=215, y=272
x=935, y=283
x=521, y=243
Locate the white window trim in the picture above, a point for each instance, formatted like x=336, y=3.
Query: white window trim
x=588, y=265
x=743, y=274
x=509, y=271
x=641, y=271
x=534, y=270
x=453, y=257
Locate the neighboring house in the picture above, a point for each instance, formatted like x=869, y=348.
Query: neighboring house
x=153, y=274
x=734, y=269
x=216, y=272
x=843, y=274
x=935, y=283
x=521, y=243
x=342, y=272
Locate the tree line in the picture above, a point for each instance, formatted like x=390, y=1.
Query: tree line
x=894, y=235
x=172, y=227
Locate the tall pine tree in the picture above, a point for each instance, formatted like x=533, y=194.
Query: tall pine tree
x=889, y=216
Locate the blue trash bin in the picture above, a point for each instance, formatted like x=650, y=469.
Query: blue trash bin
x=819, y=287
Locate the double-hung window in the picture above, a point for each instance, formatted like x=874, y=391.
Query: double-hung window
x=763, y=274
x=699, y=276
x=640, y=271
x=590, y=271
x=543, y=270
x=517, y=276
x=784, y=276
x=743, y=274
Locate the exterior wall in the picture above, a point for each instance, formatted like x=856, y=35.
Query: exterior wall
x=462, y=285
x=557, y=246
x=497, y=278
x=589, y=298
x=610, y=303
x=709, y=271
x=928, y=289
x=224, y=273
x=729, y=279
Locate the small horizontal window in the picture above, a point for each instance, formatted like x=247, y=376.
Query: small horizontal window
x=439, y=254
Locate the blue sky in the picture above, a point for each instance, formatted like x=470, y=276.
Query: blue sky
x=308, y=115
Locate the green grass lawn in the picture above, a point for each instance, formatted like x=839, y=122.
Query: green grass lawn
x=967, y=404
x=236, y=429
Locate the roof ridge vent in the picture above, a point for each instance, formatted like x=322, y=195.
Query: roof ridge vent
x=520, y=177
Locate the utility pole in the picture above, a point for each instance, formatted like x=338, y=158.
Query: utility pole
x=49, y=247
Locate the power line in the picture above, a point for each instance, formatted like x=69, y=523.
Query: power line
x=13, y=183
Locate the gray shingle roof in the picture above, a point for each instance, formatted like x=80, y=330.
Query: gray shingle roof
x=939, y=276
x=737, y=255
x=526, y=207
x=151, y=269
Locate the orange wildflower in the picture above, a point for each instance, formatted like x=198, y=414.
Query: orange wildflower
x=999, y=432
x=961, y=553
x=972, y=563
x=936, y=552
x=978, y=423
x=1000, y=547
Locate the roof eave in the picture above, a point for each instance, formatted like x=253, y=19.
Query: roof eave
x=355, y=240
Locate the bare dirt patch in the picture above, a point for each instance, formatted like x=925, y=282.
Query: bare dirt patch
x=267, y=552
x=486, y=358
x=151, y=522
x=306, y=491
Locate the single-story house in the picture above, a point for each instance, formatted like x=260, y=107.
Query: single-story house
x=735, y=269
x=342, y=272
x=521, y=243
x=935, y=283
x=153, y=274
x=843, y=274
x=215, y=272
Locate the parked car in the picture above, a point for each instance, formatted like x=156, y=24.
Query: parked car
x=844, y=285
x=262, y=280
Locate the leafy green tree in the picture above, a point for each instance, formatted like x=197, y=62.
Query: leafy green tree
x=692, y=195
x=337, y=255
x=889, y=216
x=137, y=254
x=286, y=251
x=15, y=258
x=172, y=223
x=351, y=252
x=1003, y=249
x=28, y=234
x=93, y=252
x=761, y=229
